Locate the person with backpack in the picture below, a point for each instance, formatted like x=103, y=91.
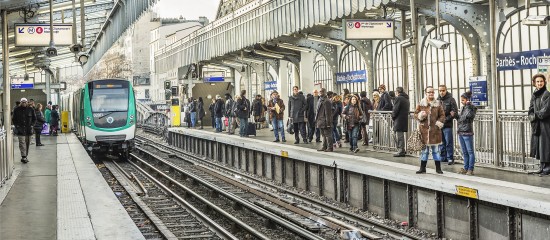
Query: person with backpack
x=367, y=106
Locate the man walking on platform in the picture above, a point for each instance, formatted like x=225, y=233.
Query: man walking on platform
x=451, y=112
x=323, y=121
x=296, y=112
x=276, y=109
x=400, y=116
x=24, y=119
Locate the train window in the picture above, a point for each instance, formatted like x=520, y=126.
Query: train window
x=109, y=100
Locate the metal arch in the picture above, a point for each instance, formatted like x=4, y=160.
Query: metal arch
x=276, y=63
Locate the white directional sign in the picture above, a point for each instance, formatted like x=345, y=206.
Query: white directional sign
x=543, y=64
x=38, y=34
x=368, y=29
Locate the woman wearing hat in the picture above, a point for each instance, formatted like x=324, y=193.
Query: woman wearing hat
x=465, y=131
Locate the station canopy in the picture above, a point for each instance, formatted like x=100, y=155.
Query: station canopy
x=33, y=59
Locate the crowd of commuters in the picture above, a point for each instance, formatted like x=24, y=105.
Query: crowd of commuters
x=330, y=118
x=29, y=120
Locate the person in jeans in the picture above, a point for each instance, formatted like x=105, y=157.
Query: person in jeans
x=451, y=112
x=276, y=109
x=193, y=110
x=218, y=112
x=337, y=108
x=229, y=113
x=23, y=119
x=465, y=131
x=40, y=120
x=430, y=116
x=400, y=116
x=367, y=106
x=353, y=114
x=242, y=114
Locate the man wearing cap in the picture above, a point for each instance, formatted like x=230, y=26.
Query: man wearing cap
x=24, y=119
x=385, y=99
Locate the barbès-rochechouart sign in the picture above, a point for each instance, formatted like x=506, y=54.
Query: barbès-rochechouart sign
x=351, y=77
x=520, y=60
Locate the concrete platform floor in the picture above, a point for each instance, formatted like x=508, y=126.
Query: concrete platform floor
x=29, y=211
x=480, y=170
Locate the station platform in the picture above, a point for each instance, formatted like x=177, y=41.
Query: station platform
x=481, y=171
x=60, y=194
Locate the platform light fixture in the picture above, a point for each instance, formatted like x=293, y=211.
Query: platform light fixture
x=251, y=60
x=233, y=64
x=268, y=54
x=324, y=40
x=292, y=47
x=536, y=20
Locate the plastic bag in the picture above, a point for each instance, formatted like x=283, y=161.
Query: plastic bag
x=45, y=129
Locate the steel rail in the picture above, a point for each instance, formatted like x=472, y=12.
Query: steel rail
x=260, y=211
x=335, y=210
x=213, y=226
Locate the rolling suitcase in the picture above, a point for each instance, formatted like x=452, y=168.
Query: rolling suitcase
x=251, y=129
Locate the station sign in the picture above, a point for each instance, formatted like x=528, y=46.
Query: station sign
x=351, y=77
x=361, y=29
x=543, y=64
x=269, y=86
x=478, y=87
x=520, y=60
x=21, y=83
x=38, y=34
x=214, y=76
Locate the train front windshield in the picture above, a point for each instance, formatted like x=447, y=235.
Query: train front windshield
x=109, y=98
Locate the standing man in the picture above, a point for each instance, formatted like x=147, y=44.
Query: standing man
x=317, y=131
x=367, y=106
x=451, y=112
x=276, y=109
x=385, y=99
x=23, y=120
x=323, y=121
x=230, y=113
x=247, y=108
x=400, y=116
x=218, y=112
x=310, y=115
x=193, y=111
x=297, y=106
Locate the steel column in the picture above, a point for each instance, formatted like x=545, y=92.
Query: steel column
x=496, y=134
x=7, y=92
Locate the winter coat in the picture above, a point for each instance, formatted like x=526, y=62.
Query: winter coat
x=247, y=102
x=257, y=108
x=48, y=115
x=353, y=115
x=218, y=108
x=367, y=106
x=466, y=120
x=23, y=119
x=539, y=115
x=54, y=121
x=297, y=107
x=200, y=108
x=273, y=113
x=431, y=133
x=400, y=113
x=40, y=120
x=337, y=109
x=229, y=107
x=385, y=102
x=449, y=104
x=310, y=112
x=242, y=110
x=323, y=117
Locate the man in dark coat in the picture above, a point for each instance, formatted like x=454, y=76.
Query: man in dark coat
x=451, y=112
x=367, y=106
x=385, y=99
x=310, y=115
x=400, y=116
x=242, y=113
x=24, y=119
x=539, y=115
x=297, y=107
x=218, y=112
x=229, y=114
x=323, y=121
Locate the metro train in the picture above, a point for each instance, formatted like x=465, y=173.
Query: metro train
x=103, y=113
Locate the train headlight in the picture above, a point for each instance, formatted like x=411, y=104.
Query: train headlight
x=89, y=124
x=131, y=116
x=131, y=122
x=88, y=119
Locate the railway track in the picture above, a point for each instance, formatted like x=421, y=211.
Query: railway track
x=292, y=205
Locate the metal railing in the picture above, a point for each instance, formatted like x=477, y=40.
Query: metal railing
x=5, y=169
x=515, y=142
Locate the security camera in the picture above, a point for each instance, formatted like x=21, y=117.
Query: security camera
x=76, y=48
x=51, y=51
x=439, y=44
x=409, y=42
x=536, y=20
x=83, y=58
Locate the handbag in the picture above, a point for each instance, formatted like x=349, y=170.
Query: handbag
x=261, y=119
x=415, y=143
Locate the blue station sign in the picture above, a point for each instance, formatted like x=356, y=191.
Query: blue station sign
x=269, y=86
x=478, y=87
x=351, y=77
x=520, y=60
x=214, y=79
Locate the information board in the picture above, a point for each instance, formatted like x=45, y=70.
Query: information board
x=478, y=87
x=368, y=29
x=351, y=77
x=21, y=83
x=214, y=76
x=543, y=65
x=520, y=60
x=38, y=34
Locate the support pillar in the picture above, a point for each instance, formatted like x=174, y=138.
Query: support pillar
x=282, y=85
x=7, y=92
x=495, y=85
x=306, y=72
